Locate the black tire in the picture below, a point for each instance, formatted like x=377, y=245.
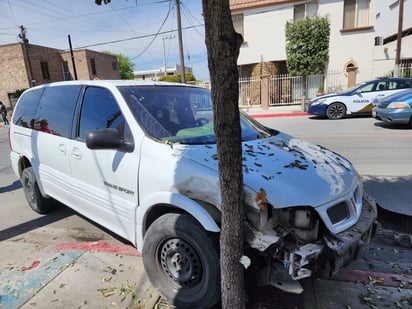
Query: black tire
x=32, y=192
x=336, y=111
x=182, y=262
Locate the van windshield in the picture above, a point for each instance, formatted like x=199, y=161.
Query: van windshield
x=182, y=115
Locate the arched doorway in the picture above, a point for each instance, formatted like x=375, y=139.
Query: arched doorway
x=351, y=68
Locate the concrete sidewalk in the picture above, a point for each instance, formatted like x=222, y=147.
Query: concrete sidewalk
x=102, y=275
x=275, y=111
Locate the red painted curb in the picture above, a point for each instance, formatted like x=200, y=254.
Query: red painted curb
x=100, y=247
x=278, y=115
x=385, y=279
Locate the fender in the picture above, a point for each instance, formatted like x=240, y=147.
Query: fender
x=177, y=200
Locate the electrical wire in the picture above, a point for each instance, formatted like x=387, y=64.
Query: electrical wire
x=156, y=35
x=137, y=37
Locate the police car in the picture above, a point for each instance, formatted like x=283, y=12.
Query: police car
x=359, y=99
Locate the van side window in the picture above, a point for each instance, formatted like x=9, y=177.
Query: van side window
x=100, y=110
x=26, y=109
x=56, y=109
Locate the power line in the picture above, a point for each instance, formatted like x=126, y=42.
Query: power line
x=138, y=37
x=155, y=36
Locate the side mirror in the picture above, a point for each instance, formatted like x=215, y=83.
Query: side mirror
x=107, y=139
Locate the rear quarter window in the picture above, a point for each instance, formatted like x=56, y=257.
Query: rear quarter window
x=56, y=109
x=26, y=108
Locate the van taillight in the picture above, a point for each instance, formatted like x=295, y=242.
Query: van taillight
x=9, y=138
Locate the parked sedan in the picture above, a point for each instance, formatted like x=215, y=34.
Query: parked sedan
x=358, y=99
x=396, y=108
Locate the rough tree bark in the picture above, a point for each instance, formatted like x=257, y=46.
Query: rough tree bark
x=223, y=45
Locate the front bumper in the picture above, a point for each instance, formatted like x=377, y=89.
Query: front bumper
x=317, y=109
x=326, y=257
x=392, y=115
x=344, y=247
x=336, y=250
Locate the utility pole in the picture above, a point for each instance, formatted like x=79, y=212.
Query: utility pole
x=164, y=53
x=399, y=39
x=179, y=32
x=72, y=56
x=22, y=36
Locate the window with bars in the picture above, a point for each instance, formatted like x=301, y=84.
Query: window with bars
x=93, y=66
x=45, y=70
x=66, y=72
x=307, y=9
x=356, y=14
x=238, y=23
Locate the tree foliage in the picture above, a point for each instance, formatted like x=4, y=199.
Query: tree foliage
x=125, y=66
x=176, y=78
x=307, y=45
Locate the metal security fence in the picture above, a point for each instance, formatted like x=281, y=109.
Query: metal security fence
x=280, y=90
x=250, y=91
x=405, y=70
x=285, y=90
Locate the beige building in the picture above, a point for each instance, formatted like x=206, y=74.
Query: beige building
x=362, y=43
x=25, y=65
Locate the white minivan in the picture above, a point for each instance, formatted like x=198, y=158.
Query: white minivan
x=140, y=159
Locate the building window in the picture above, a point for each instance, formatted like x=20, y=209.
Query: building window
x=66, y=72
x=303, y=10
x=356, y=14
x=93, y=65
x=238, y=23
x=45, y=70
x=114, y=66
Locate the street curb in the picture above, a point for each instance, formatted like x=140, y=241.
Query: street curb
x=297, y=114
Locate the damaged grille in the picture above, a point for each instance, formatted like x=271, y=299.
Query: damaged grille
x=344, y=212
x=338, y=212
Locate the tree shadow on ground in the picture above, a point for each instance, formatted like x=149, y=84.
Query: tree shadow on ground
x=393, y=196
x=12, y=187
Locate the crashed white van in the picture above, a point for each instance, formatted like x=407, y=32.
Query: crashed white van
x=140, y=159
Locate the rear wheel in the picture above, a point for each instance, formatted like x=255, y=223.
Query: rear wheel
x=336, y=111
x=37, y=202
x=182, y=262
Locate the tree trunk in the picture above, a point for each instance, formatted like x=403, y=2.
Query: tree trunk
x=223, y=45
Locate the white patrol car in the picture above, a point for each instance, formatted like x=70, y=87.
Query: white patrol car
x=359, y=99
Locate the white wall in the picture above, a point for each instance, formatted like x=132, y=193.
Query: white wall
x=264, y=34
x=354, y=46
x=387, y=13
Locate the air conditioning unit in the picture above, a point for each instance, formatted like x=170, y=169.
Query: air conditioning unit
x=378, y=40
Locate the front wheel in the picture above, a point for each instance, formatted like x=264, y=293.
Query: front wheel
x=181, y=261
x=336, y=111
x=37, y=202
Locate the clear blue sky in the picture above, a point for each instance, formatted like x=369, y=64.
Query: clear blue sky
x=142, y=30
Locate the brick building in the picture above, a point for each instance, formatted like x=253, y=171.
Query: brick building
x=25, y=65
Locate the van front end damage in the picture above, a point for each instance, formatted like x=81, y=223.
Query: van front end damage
x=293, y=243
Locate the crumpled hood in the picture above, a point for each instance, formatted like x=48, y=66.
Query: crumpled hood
x=292, y=172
